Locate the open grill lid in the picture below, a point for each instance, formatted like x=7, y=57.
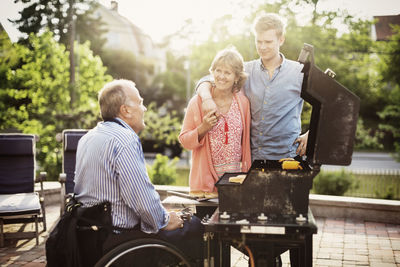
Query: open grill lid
x=334, y=114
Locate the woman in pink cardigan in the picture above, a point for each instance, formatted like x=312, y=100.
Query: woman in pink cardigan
x=219, y=140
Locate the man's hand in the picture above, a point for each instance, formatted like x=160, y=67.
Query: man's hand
x=175, y=222
x=208, y=104
x=302, y=140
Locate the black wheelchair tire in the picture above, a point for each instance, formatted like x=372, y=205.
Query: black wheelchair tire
x=133, y=245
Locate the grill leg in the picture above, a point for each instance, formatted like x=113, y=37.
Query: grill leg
x=1, y=233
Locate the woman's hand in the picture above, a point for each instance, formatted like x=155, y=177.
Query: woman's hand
x=209, y=121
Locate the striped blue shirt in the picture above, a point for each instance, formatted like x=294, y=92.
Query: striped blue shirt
x=110, y=166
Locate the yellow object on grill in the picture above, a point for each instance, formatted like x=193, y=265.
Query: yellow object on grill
x=286, y=159
x=291, y=165
x=237, y=179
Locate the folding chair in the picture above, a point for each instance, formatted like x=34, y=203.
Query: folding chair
x=19, y=203
x=70, y=139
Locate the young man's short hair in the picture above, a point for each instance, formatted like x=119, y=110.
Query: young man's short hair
x=269, y=21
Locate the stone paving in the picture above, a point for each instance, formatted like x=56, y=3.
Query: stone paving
x=339, y=242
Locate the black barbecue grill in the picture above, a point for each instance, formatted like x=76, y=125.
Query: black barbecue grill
x=274, y=201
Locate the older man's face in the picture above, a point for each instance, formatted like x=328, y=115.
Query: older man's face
x=136, y=109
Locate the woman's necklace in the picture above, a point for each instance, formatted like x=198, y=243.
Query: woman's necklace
x=224, y=106
x=223, y=102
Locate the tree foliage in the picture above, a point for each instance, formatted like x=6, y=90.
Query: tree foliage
x=169, y=88
x=390, y=75
x=34, y=93
x=161, y=125
x=57, y=16
x=122, y=64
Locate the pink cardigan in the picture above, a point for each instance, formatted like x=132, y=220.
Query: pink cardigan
x=202, y=174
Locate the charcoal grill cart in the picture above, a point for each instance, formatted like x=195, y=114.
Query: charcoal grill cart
x=268, y=213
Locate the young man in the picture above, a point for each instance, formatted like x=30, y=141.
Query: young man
x=273, y=89
x=110, y=167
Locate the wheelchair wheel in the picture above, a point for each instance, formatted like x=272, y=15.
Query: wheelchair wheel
x=144, y=252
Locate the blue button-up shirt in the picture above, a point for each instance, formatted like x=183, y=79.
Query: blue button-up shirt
x=110, y=166
x=276, y=108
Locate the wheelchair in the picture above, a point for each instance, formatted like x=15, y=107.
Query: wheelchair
x=148, y=251
x=136, y=249
x=144, y=252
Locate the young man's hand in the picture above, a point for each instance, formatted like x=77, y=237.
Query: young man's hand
x=208, y=104
x=302, y=140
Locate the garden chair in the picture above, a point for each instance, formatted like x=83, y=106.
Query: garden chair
x=19, y=202
x=70, y=139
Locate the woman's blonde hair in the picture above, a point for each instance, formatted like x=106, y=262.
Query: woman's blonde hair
x=232, y=58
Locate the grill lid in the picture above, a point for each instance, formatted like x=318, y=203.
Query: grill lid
x=334, y=114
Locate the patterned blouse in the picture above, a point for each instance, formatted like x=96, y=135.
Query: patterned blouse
x=226, y=141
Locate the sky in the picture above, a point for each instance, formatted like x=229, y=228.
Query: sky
x=159, y=18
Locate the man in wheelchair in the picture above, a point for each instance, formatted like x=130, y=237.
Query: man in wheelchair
x=112, y=188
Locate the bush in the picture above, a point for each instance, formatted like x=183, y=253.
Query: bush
x=367, y=138
x=387, y=194
x=333, y=183
x=163, y=171
x=161, y=132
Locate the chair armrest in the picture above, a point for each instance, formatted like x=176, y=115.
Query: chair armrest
x=62, y=178
x=41, y=178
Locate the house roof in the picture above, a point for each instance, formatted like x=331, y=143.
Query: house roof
x=382, y=26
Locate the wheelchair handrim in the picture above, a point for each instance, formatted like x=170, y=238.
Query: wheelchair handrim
x=146, y=246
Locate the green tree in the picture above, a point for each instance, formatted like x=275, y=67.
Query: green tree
x=161, y=125
x=390, y=77
x=122, y=64
x=169, y=88
x=34, y=94
x=57, y=15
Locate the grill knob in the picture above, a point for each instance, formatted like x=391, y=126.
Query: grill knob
x=301, y=218
x=262, y=217
x=225, y=216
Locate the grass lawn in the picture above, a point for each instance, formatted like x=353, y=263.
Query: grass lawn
x=376, y=186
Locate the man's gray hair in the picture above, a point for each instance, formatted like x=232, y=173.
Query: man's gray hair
x=112, y=96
